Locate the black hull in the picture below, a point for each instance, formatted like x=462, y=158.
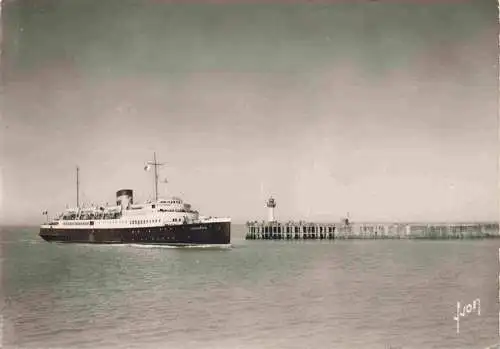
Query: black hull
x=218, y=233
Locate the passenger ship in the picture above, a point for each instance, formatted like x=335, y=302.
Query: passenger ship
x=165, y=221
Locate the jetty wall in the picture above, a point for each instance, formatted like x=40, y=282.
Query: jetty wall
x=330, y=231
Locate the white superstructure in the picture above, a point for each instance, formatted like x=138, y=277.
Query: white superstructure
x=168, y=211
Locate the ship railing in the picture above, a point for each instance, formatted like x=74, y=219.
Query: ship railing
x=50, y=223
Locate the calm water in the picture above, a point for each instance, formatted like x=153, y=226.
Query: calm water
x=258, y=294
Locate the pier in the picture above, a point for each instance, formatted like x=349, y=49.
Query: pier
x=275, y=230
x=346, y=230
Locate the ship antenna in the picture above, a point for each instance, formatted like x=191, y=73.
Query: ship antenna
x=77, y=188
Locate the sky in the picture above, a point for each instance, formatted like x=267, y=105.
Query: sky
x=383, y=109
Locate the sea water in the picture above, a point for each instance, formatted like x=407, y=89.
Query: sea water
x=256, y=294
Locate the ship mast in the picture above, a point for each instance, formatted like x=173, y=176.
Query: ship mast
x=77, y=188
x=156, y=165
x=156, y=177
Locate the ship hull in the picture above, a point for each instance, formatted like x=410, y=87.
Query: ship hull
x=213, y=233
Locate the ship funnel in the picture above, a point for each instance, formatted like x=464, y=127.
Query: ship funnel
x=124, y=198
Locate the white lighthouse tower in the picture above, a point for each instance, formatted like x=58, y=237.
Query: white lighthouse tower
x=271, y=204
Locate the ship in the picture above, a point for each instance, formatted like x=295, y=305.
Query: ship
x=162, y=221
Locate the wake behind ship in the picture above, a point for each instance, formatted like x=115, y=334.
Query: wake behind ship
x=165, y=221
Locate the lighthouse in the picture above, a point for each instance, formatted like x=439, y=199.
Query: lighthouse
x=271, y=204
